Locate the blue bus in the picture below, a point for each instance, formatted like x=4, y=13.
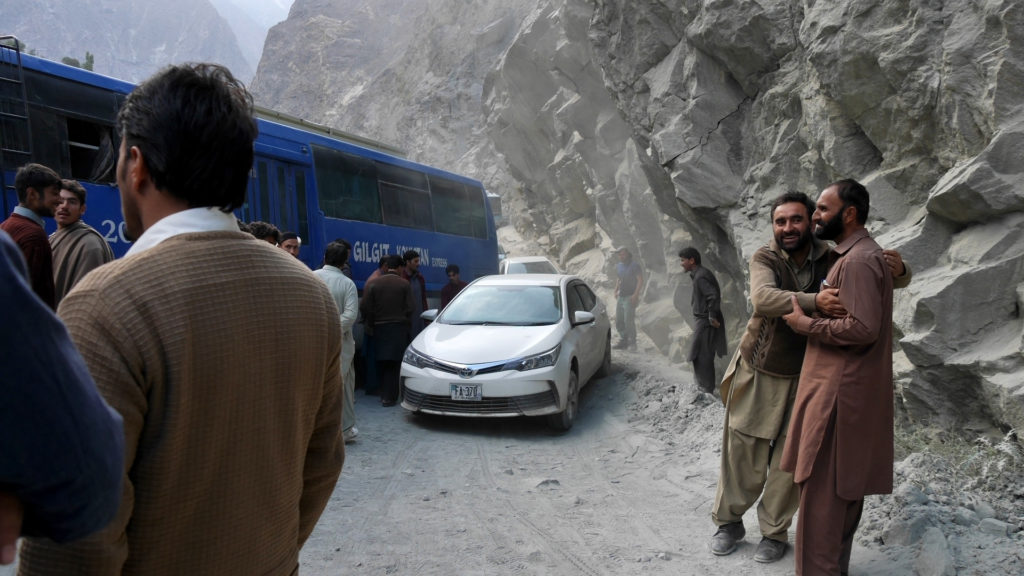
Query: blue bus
x=307, y=179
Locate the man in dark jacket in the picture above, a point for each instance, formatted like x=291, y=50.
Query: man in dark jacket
x=386, y=306
x=708, y=334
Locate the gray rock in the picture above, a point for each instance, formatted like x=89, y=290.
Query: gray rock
x=996, y=527
x=933, y=556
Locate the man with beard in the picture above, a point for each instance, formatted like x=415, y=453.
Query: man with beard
x=760, y=385
x=841, y=428
x=77, y=247
x=38, y=189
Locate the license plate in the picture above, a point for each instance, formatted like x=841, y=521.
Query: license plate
x=466, y=392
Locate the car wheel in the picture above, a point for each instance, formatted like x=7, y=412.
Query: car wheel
x=606, y=363
x=564, y=419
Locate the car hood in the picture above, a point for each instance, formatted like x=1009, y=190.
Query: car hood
x=481, y=344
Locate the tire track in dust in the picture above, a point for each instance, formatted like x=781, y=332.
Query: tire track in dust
x=540, y=537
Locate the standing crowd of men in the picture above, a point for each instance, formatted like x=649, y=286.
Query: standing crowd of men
x=171, y=440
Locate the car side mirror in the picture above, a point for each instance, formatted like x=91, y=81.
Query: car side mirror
x=429, y=315
x=582, y=317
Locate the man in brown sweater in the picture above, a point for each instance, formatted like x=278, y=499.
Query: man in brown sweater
x=232, y=444
x=77, y=247
x=386, y=307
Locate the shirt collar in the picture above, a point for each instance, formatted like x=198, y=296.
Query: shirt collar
x=204, y=219
x=22, y=211
x=850, y=240
x=334, y=269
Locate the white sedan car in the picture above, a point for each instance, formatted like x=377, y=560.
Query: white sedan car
x=510, y=345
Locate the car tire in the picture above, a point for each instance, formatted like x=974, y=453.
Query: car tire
x=606, y=363
x=564, y=420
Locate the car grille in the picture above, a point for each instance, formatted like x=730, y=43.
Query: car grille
x=514, y=404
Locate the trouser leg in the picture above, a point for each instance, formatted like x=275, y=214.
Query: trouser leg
x=827, y=522
x=371, y=378
x=781, y=497
x=704, y=372
x=389, y=372
x=741, y=478
x=629, y=319
x=620, y=318
x=348, y=404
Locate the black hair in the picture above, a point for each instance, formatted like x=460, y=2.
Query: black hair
x=792, y=197
x=34, y=176
x=289, y=236
x=452, y=268
x=690, y=252
x=395, y=261
x=75, y=188
x=410, y=255
x=336, y=254
x=194, y=125
x=264, y=230
x=853, y=193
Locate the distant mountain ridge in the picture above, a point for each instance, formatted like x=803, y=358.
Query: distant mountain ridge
x=130, y=39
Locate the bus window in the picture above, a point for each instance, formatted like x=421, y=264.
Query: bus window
x=91, y=151
x=300, y=195
x=283, y=204
x=264, y=182
x=458, y=209
x=405, y=207
x=346, y=185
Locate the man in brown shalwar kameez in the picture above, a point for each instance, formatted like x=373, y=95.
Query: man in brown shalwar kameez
x=840, y=446
x=77, y=247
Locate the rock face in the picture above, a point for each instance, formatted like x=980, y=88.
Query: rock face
x=659, y=124
x=131, y=39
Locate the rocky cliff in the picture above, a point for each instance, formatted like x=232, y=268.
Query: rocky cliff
x=130, y=39
x=658, y=124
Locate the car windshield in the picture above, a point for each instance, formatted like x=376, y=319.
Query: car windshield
x=505, y=305
x=539, y=267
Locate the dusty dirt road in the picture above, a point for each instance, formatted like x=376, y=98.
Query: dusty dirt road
x=426, y=495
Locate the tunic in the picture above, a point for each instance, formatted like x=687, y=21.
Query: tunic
x=221, y=352
x=847, y=370
x=77, y=250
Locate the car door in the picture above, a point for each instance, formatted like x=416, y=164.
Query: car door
x=589, y=348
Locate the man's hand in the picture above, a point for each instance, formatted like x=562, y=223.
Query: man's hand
x=634, y=300
x=796, y=314
x=828, y=304
x=715, y=322
x=895, y=262
x=11, y=514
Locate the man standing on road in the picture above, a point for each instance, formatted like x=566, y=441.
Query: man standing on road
x=77, y=247
x=38, y=190
x=419, y=290
x=347, y=298
x=709, y=333
x=386, y=307
x=629, y=283
x=232, y=443
x=841, y=429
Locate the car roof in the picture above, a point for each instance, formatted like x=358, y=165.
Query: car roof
x=527, y=259
x=525, y=279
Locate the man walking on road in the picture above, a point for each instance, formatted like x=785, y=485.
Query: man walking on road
x=77, y=247
x=629, y=284
x=232, y=443
x=709, y=333
x=840, y=445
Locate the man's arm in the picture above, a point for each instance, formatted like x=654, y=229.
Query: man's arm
x=859, y=281
x=63, y=456
x=635, y=297
x=351, y=310
x=712, y=298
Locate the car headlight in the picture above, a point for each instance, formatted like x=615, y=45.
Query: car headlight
x=542, y=360
x=414, y=358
